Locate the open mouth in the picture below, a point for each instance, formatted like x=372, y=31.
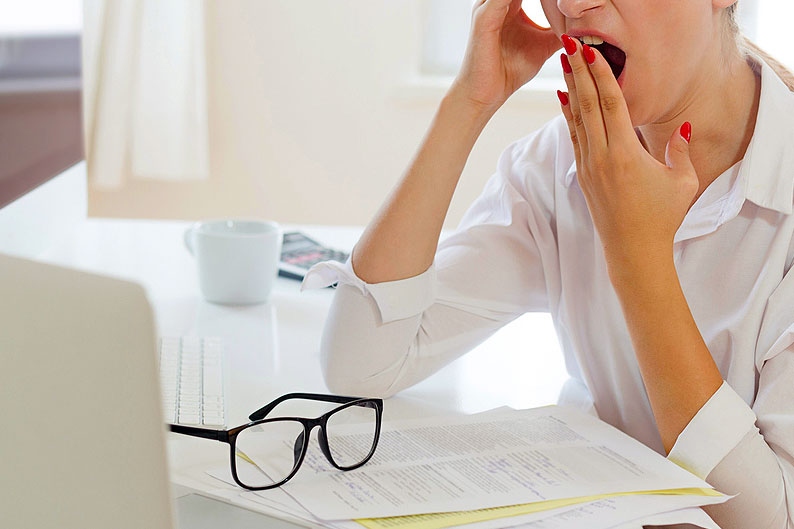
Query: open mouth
x=614, y=56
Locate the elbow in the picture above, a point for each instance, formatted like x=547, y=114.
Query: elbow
x=349, y=370
x=336, y=379
x=343, y=380
x=358, y=356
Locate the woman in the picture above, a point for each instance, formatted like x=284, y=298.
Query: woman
x=653, y=220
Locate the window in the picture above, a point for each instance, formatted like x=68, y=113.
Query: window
x=40, y=44
x=40, y=110
x=447, y=31
x=40, y=17
x=770, y=23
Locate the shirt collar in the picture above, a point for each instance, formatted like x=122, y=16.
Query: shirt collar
x=768, y=165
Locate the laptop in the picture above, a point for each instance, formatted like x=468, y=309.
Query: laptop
x=83, y=441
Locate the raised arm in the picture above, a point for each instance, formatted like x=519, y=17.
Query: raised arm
x=394, y=320
x=505, y=50
x=501, y=262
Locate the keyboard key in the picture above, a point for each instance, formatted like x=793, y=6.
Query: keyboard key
x=216, y=421
x=191, y=378
x=189, y=419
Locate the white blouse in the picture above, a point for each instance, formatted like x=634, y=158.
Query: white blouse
x=528, y=244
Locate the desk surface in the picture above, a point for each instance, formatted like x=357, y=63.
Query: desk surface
x=274, y=348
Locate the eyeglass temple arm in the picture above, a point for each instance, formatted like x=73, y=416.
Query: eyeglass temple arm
x=217, y=435
x=261, y=413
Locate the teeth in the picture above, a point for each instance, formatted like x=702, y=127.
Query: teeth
x=591, y=40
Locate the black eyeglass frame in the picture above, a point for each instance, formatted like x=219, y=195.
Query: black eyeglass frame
x=258, y=417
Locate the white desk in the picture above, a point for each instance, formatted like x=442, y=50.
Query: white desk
x=273, y=349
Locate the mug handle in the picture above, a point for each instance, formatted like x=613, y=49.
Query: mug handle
x=189, y=239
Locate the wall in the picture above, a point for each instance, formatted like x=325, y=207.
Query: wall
x=316, y=108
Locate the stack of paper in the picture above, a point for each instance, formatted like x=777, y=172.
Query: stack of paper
x=550, y=467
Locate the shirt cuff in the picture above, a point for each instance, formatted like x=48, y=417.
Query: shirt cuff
x=396, y=300
x=713, y=432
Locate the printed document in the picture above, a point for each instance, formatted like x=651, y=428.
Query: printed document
x=482, y=461
x=598, y=514
x=601, y=512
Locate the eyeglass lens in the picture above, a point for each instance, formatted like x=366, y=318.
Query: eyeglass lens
x=267, y=453
x=350, y=449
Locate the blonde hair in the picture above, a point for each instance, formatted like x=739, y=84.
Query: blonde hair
x=744, y=45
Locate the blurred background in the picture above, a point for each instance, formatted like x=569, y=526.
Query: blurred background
x=300, y=111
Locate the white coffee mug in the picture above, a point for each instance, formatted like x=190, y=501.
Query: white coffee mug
x=237, y=259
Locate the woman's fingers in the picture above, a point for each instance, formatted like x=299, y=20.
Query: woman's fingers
x=565, y=103
x=490, y=6
x=515, y=7
x=613, y=105
x=573, y=103
x=585, y=104
x=488, y=16
x=577, y=130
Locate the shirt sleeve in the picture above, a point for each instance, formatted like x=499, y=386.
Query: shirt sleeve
x=395, y=300
x=746, y=449
x=381, y=338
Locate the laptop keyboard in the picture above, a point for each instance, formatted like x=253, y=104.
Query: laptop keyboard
x=191, y=375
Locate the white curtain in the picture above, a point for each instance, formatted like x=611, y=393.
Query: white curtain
x=145, y=90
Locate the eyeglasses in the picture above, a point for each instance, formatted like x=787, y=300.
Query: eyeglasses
x=266, y=453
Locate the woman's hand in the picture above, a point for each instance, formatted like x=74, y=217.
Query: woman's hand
x=637, y=203
x=505, y=50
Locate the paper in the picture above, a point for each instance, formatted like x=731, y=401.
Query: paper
x=517, y=514
x=484, y=461
x=278, y=504
x=696, y=517
x=601, y=514
x=611, y=513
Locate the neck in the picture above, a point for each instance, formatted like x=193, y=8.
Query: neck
x=722, y=121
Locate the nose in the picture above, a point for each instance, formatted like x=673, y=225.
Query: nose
x=575, y=8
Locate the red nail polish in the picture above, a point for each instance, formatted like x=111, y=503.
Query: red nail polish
x=589, y=54
x=563, y=98
x=570, y=44
x=566, y=66
x=686, y=131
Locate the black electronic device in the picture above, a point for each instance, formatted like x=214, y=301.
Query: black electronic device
x=299, y=253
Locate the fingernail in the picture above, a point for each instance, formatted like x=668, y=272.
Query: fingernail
x=686, y=131
x=569, y=43
x=563, y=98
x=589, y=54
x=566, y=66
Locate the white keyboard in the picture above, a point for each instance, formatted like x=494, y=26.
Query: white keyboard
x=191, y=375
